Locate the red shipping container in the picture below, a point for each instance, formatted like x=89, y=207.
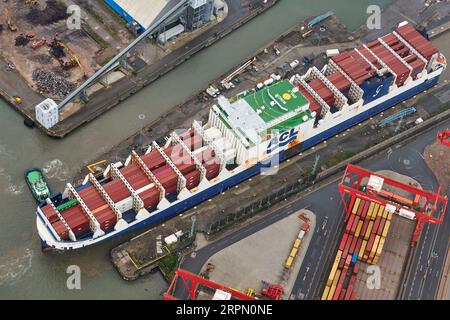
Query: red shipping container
x=61, y=230
x=342, y=276
x=344, y=239
x=365, y=210
x=353, y=246
x=187, y=134
x=349, y=292
x=376, y=224
x=356, y=268
x=116, y=190
x=337, y=292
x=153, y=160
x=50, y=213
x=360, y=207
x=348, y=261
x=352, y=280
x=341, y=263
x=358, y=245
x=370, y=243
x=354, y=225
x=350, y=223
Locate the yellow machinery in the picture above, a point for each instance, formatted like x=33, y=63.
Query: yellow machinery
x=73, y=60
x=18, y=99
x=96, y=168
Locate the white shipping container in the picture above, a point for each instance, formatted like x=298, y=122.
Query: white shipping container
x=213, y=133
x=268, y=82
x=407, y=214
x=301, y=234
x=332, y=52
x=179, y=234
x=171, y=239
x=294, y=64
x=125, y=204
x=169, y=34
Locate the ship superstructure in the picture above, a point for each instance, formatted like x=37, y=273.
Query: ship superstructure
x=269, y=123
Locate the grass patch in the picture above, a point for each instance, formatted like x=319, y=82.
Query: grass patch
x=99, y=18
x=119, y=19
x=443, y=108
x=106, y=60
x=168, y=265
x=94, y=35
x=339, y=157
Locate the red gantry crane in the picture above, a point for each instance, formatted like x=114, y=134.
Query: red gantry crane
x=444, y=137
x=425, y=206
x=192, y=283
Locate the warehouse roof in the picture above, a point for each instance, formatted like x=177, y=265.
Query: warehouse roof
x=145, y=12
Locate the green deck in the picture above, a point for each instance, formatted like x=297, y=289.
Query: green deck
x=284, y=96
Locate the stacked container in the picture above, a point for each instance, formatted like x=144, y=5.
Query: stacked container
x=314, y=105
x=355, y=66
x=391, y=61
x=322, y=90
x=403, y=51
x=417, y=41
x=363, y=241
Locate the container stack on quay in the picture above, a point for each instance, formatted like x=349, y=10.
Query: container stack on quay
x=363, y=241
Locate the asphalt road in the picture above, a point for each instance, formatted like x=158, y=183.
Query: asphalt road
x=326, y=204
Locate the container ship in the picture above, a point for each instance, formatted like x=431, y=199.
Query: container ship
x=244, y=135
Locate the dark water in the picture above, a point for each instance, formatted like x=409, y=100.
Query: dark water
x=27, y=273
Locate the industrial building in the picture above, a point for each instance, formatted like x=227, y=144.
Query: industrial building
x=140, y=14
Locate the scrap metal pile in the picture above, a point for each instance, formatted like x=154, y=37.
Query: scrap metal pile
x=22, y=40
x=48, y=81
x=54, y=11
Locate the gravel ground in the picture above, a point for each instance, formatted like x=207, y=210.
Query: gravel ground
x=437, y=157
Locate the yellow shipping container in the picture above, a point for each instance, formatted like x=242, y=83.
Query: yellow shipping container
x=334, y=268
x=362, y=250
x=381, y=211
x=331, y=293
x=288, y=263
x=358, y=228
x=380, y=247
x=390, y=215
x=336, y=278
x=386, y=228
x=385, y=213
x=326, y=292
x=297, y=243
x=375, y=246
x=356, y=206
x=368, y=231
x=293, y=252
x=369, y=212
x=375, y=211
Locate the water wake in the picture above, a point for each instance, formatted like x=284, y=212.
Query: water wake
x=16, y=267
x=56, y=169
x=11, y=188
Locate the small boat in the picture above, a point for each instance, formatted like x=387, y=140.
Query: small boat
x=37, y=184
